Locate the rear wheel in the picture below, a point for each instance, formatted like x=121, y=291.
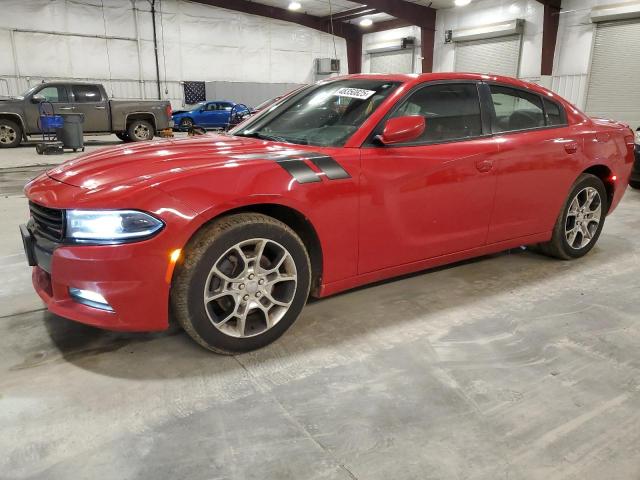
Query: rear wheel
x=244, y=281
x=140, y=130
x=10, y=133
x=580, y=223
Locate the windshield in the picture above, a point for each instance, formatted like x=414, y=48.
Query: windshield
x=324, y=116
x=198, y=106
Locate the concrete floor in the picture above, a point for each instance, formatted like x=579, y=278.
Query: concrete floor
x=513, y=366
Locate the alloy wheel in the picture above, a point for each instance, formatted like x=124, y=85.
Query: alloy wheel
x=583, y=218
x=7, y=134
x=142, y=132
x=250, y=288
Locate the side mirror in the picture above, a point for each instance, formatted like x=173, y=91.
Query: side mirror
x=38, y=99
x=402, y=129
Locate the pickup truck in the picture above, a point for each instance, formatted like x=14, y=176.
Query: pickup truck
x=130, y=120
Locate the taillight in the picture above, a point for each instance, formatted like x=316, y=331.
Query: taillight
x=169, y=111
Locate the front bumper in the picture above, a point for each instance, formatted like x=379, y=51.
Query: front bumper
x=133, y=280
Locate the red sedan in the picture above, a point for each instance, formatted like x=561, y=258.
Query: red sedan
x=346, y=182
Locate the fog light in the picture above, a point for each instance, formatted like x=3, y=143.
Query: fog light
x=90, y=299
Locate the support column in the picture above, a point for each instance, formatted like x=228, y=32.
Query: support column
x=427, y=42
x=549, y=37
x=354, y=53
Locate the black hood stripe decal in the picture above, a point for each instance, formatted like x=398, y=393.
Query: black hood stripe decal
x=295, y=163
x=299, y=170
x=329, y=167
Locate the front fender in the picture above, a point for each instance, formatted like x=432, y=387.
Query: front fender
x=330, y=206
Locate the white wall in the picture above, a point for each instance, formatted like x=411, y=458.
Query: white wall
x=200, y=43
x=485, y=12
x=390, y=38
x=574, y=48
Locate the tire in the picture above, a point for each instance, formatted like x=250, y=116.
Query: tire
x=213, y=254
x=10, y=134
x=635, y=185
x=140, y=131
x=186, y=123
x=560, y=246
x=123, y=136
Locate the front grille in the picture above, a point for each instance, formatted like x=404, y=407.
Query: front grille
x=49, y=222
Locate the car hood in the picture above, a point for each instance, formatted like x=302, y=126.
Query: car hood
x=150, y=162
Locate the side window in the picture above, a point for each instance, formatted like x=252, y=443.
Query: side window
x=211, y=107
x=451, y=111
x=86, y=93
x=54, y=94
x=224, y=106
x=516, y=109
x=554, y=113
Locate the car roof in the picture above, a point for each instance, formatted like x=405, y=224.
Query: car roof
x=430, y=77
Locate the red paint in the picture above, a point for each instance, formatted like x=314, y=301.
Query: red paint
x=402, y=129
x=403, y=209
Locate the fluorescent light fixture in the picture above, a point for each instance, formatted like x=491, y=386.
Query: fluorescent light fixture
x=295, y=6
x=366, y=22
x=462, y=3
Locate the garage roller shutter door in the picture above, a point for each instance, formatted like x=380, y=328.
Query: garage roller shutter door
x=400, y=61
x=614, y=84
x=492, y=55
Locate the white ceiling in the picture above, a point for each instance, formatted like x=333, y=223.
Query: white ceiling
x=320, y=8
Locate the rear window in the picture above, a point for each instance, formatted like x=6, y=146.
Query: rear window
x=86, y=93
x=554, y=113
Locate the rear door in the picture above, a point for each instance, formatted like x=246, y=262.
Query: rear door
x=539, y=155
x=91, y=101
x=433, y=196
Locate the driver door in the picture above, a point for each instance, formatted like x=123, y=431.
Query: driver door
x=434, y=195
x=57, y=95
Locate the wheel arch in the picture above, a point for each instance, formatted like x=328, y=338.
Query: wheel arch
x=148, y=116
x=603, y=173
x=295, y=220
x=17, y=118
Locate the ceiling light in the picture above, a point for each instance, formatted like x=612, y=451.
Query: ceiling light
x=366, y=22
x=462, y=3
x=295, y=6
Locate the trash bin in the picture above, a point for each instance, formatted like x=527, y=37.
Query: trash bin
x=71, y=133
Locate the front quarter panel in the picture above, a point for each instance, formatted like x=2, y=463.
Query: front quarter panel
x=329, y=204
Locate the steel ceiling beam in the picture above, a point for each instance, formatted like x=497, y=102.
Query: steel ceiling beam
x=340, y=29
x=410, y=12
x=351, y=14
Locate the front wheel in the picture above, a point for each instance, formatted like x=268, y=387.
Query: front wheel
x=10, y=134
x=244, y=281
x=140, y=130
x=580, y=223
x=186, y=123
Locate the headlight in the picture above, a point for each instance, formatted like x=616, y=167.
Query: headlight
x=110, y=226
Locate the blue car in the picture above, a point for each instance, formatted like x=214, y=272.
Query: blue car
x=214, y=114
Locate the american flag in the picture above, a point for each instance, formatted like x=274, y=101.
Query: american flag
x=194, y=92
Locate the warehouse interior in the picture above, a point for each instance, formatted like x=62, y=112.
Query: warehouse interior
x=511, y=365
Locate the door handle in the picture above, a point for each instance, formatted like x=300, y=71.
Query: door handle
x=100, y=107
x=571, y=147
x=484, y=166
x=66, y=108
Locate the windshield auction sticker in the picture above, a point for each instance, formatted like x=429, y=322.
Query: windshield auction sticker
x=354, y=93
